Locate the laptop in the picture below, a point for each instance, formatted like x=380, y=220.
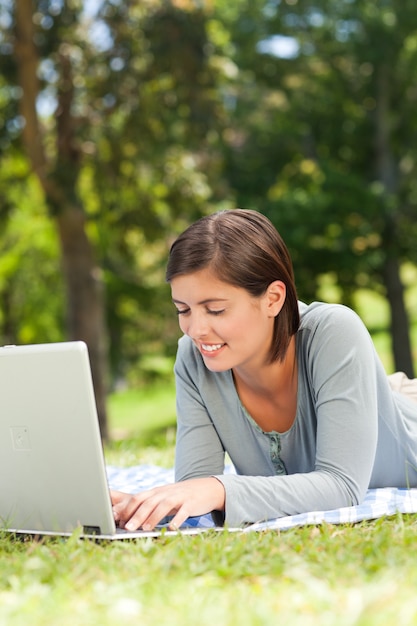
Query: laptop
x=53, y=478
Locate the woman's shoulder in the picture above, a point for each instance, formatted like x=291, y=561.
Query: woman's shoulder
x=320, y=319
x=319, y=313
x=186, y=349
x=188, y=362
x=188, y=357
x=333, y=338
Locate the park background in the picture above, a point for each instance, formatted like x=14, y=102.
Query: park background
x=122, y=122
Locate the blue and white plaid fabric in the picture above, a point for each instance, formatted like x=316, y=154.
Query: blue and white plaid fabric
x=377, y=503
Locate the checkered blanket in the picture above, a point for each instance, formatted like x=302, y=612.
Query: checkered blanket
x=377, y=503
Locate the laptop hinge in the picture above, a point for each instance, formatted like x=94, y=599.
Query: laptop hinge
x=91, y=530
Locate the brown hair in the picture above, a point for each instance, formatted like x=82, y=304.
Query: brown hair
x=244, y=249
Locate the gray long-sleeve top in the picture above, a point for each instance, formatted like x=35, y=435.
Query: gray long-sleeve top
x=351, y=431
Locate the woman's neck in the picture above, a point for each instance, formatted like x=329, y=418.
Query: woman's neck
x=270, y=378
x=269, y=394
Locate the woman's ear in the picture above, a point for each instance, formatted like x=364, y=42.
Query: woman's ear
x=275, y=297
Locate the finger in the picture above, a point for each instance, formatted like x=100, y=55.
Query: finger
x=178, y=520
x=158, y=515
x=126, y=506
x=151, y=511
x=128, y=511
x=117, y=496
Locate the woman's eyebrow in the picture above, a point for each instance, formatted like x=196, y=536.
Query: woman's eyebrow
x=206, y=301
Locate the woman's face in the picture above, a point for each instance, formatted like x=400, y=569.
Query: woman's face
x=230, y=328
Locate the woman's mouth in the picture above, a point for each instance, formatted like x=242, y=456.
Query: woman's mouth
x=211, y=347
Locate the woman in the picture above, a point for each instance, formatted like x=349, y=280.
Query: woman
x=294, y=394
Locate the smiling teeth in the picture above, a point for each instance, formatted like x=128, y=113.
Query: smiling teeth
x=211, y=348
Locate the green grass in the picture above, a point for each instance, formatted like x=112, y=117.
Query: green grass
x=344, y=575
x=142, y=426
x=136, y=410
x=363, y=575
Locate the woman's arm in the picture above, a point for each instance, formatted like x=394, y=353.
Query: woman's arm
x=199, y=450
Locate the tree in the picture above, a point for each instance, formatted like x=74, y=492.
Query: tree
x=126, y=156
x=57, y=168
x=336, y=125
x=31, y=298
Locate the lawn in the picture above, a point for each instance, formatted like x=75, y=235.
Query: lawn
x=344, y=575
x=362, y=574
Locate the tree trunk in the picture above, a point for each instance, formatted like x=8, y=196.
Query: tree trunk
x=387, y=174
x=85, y=298
x=403, y=359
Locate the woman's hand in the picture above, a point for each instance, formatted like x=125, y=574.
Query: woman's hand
x=185, y=499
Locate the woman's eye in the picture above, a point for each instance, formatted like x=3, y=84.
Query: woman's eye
x=209, y=311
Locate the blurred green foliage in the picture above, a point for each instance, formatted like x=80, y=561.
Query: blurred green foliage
x=303, y=110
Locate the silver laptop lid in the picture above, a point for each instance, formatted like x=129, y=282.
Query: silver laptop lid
x=52, y=471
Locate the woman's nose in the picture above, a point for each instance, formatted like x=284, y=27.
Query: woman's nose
x=197, y=326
